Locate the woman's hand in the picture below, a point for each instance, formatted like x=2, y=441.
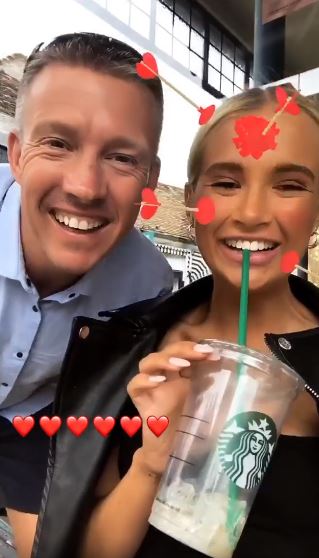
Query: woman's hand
x=160, y=389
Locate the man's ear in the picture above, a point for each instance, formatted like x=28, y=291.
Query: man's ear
x=14, y=153
x=154, y=174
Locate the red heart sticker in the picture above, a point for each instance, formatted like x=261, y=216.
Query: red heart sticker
x=282, y=96
x=289, y=261
x=149, y=197
x=104, y=425
x=157, y=425
x=131, y=425
x=50, y=425
x=23, y=425
x=206, y=114
x=251, y=140
x=77, y=425
x=149, y=72
x=206, y=210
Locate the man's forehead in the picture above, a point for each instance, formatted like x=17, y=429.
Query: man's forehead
x=58, y=76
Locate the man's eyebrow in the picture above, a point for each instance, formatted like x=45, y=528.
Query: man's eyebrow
x=57, y=127
x=291, y=167
x=123, y=142
x=54, y=127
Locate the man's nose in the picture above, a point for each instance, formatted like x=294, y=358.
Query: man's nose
x=253, y=207
x=85, y=180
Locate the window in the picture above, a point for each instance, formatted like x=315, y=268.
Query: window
x=183, y=29
x=228, y=59
x=187, y=33
x=178, y=280
x=3, y=154
x=180, y=32
x=134, y=13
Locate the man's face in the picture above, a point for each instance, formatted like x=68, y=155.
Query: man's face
x=86, y=150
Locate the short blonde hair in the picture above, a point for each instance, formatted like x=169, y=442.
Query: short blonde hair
x=245, y=102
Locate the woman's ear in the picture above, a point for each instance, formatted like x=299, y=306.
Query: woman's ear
x=188, y=194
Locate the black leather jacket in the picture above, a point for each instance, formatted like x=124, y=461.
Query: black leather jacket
x=95, y=373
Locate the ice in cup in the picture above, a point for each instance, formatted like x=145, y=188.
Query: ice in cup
x=226, y=436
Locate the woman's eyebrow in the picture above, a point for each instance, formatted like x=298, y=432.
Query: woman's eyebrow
x=291, y=167
x=224, y=166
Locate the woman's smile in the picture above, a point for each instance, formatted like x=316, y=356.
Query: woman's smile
x=262, y=252
x=267, y=206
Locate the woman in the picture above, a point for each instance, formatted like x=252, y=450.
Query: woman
x=270, y=205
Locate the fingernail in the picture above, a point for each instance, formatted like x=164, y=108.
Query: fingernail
x=203, y=348
x=180, y=362
x=214, y=356
x=157, y=379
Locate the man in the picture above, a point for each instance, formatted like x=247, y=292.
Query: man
x=85, y=146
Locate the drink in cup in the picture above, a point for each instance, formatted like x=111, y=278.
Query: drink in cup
x=224, y=441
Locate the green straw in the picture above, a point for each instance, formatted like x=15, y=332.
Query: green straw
x=234, y=511
x=243, y=309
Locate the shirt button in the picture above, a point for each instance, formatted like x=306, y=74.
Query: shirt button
x=84, y=332
x=4, y=384
x=35, y=308
x=72, y=295
x=284, y=343
x=19, y=354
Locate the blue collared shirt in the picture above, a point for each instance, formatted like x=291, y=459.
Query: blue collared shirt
x=34, y=332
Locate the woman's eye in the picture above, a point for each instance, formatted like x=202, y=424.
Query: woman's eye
x=225, y=184
x=288, y=186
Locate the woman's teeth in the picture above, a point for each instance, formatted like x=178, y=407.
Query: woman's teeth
x=253, y=246
x=77, y=222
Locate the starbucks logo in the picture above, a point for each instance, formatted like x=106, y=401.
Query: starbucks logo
x=245, y=447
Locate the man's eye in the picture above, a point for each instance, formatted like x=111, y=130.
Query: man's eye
x=124, y=159
x=56, y=142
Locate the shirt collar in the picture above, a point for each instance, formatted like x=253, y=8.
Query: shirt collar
x=12, y=265
x=116, y=265
x=11, y=254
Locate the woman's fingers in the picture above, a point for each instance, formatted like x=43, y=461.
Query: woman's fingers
x=176, y=357
x=142, y=382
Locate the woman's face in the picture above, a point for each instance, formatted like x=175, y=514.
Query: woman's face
x=272, y=202
x=256, y=443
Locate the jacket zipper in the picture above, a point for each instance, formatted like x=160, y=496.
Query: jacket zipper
x=307, y=387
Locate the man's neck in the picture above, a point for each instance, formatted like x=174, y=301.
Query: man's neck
x=48, y=285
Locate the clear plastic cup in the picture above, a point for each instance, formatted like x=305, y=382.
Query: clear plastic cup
x=227, y=433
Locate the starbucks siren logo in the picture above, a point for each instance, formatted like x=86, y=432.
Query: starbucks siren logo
x=245, y=447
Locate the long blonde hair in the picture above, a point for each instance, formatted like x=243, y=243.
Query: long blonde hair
x=246, y=102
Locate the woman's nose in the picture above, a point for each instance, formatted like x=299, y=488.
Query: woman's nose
x=253, y=208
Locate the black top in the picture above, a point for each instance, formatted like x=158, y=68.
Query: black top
x=96, y=370
x=284, y=520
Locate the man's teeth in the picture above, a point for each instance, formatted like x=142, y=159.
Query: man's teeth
x=253, y=246
x=77, y=222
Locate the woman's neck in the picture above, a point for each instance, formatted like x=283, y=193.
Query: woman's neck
x=274, y=310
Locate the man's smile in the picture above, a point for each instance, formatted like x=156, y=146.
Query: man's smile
x=78, y=223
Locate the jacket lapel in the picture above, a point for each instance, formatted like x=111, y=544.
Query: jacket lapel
x=96, y=388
